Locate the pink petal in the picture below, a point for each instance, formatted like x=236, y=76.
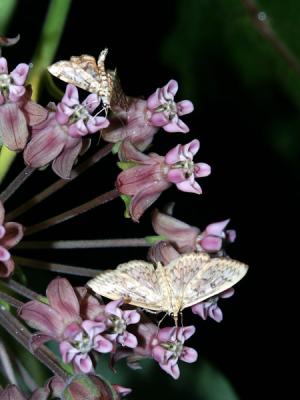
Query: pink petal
x=162, y=252
x=176, y=125
x=145, y=198
x=78, y=129
x=92, y=102
x=158, y=119
x=93, y=328
x=63, y=113
x=16, y=92
x=159, y=354
x=127, y=339
x=133, y=180
x=211, y=243
x=201, y=310
x=6, y=268
x=63, y=300
x=131, y=153
x=131, y=317
x=70, y=98
x=231, y=235
x=201, y=170
x=3, y=66
x=153, y=101
x=19, y=74
x=215, y=313
x=185, y=332
x=184, y=107
x=113, y=307
x=95, y=124
x=4, y=254
x=13, y=127
x=227, y=293
x=102, y=345
x=176, y=231
x=191, y=148
x=167, y=334
x=189, y=355
x=217, y=228
x=64, y=162
x=190, y=187
x=44, y=147
x=176, y=175
x=34, y=113
x=83, y=363
x=14, y=233
x=2, y=232
x=42, y=317
x=67, y=351
x=173, y=155
x=170, y=88
x=171, y=369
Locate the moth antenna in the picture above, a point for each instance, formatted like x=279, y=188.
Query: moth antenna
x=161, y=320
x=181, y=318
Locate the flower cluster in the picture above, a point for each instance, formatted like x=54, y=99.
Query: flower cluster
x=81, y=324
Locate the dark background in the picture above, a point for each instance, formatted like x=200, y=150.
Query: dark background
x=247, y=119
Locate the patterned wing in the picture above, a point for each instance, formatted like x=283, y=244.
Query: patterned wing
x=87, y=63
x=71, y=72
x=214, y=276
x=118, y=97
x=195, y=277
x=135, y=281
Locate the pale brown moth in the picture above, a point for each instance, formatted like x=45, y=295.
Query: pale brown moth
x=85, y=73
x=182, y=283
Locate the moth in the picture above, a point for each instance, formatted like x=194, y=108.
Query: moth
x=185, y=281
x=84, y=72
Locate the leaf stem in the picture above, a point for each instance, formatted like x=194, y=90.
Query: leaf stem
x=16, y=183
x=83, y=244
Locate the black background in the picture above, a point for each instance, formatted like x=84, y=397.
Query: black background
x=250, y=183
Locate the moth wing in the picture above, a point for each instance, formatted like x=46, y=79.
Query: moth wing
x=209, y=277
x=136, y=282
x=87, y=63
x=118, y=97
x=70, y=72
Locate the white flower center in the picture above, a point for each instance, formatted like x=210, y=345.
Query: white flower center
x=168, y=107
x=118, y=325
x=175, y=347
x=80, y=112
x=84, y=345
x=187, y=166
x=5, y=81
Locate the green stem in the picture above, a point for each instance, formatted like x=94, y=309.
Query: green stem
x=49, y=41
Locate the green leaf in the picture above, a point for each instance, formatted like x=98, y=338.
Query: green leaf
x=155, y=239
x=123, y=165
x=127, y=200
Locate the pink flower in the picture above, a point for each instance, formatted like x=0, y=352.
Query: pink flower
x=210, y=308
x=60, y=320
x=80, y=343
x=165, y=112
x=10, y=234
x=169, y=347
x=183, y=170
x=187, y=238
x=12, y=85
x=58, y=139
x=11, y=392
x=16, y=109
x=162, y=252
x=132, y=125
x=149, y=175
x=143, y=119
x=166, y=346
x=117, y=321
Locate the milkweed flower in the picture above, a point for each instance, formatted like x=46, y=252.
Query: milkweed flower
x=143, y=118
x=60, y=320
x=10, y=234
x=187, y=238
x=17, y=111
x=210, y=307
x=59, y=139
x=149, y=175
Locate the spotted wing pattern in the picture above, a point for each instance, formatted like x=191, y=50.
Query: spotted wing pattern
x=136, y=282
